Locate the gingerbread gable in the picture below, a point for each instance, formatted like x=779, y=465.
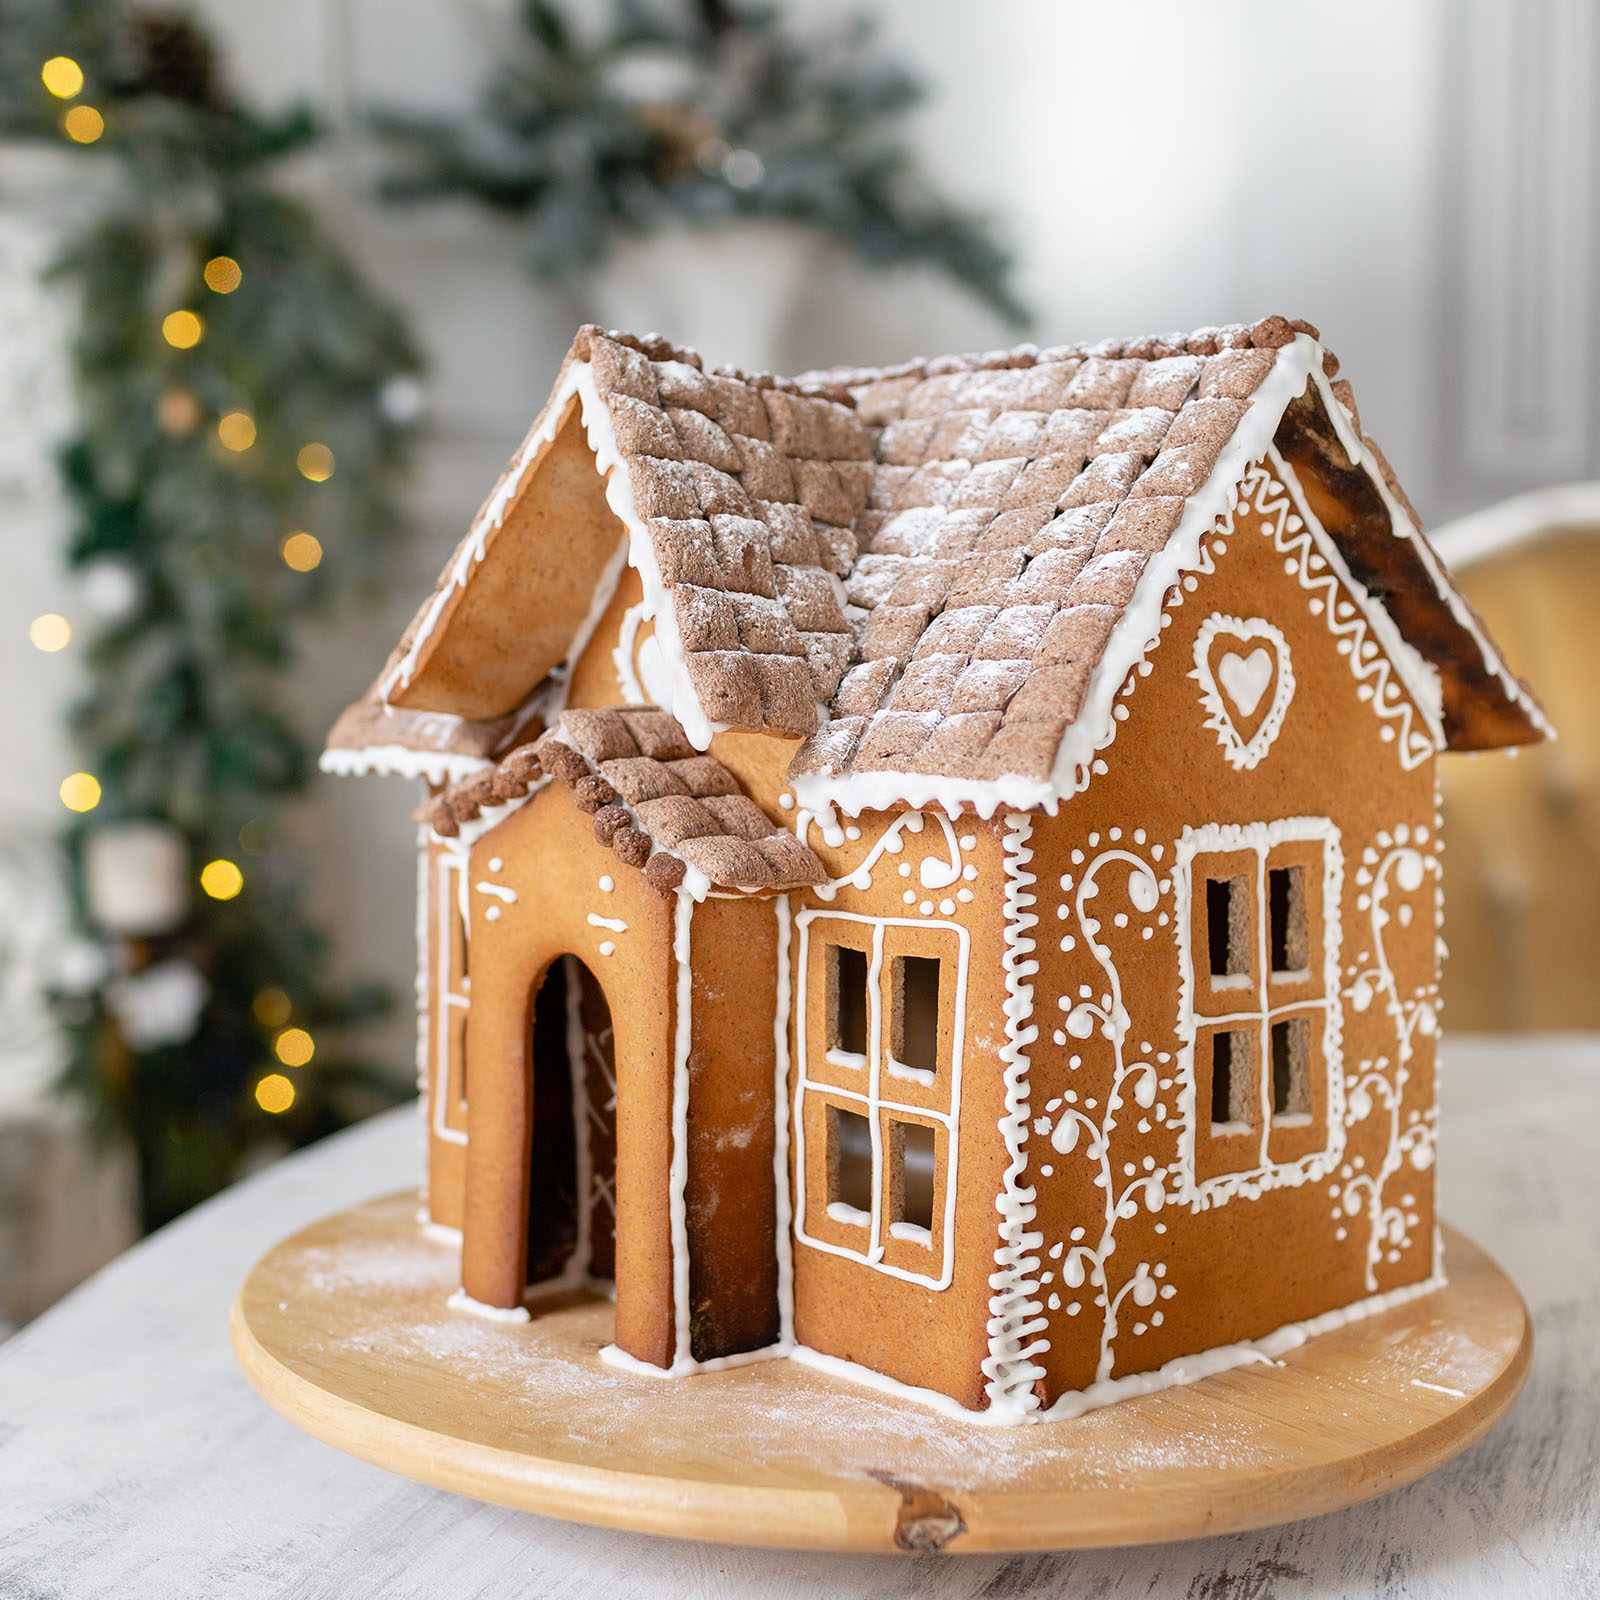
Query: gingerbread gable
x=940, y=575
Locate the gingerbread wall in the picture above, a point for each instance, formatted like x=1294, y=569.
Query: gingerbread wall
x=1161, y=1236
x=913, y=885
x=540, y=888
x=730, y=1186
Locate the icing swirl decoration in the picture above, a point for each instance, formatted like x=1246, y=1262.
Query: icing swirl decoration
x=1139, y=1077
x=1393, y=869
x=1236, y=661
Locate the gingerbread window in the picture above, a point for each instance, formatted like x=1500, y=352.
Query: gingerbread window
x=880, y=1011
x=447, y=952
x=1259, y=953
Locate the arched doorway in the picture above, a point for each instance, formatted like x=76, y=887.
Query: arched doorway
x=573, y=1146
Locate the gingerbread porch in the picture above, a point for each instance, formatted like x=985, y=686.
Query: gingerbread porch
x=935, y=871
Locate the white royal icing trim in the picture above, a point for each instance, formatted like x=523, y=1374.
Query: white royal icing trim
x=1138, y=630
x=1014, y=1308
x=395, y=761
x=1349, y=609
x=681, y=701
x=421, y=988
x=1269, y=1349
x=625, y=656
x=635, y=548
x=462, y=1301
x=615, y=1356
x=783, y=1236
x=1139, y=1076
x=1223, y=691
x=488, y=521
x=450, y=900
x=683, y=1362
x=577, y=1046
x=678, y=1170
x=932, y=874
x=1400, y=859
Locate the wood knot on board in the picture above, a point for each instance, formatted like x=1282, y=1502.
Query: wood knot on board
x=925, y=1521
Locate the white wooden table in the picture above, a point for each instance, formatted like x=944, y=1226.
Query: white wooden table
x=135, y=1461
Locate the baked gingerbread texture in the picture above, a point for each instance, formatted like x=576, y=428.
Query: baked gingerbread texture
x=935, y=871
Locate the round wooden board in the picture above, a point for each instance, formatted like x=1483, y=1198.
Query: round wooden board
x=344, y=1329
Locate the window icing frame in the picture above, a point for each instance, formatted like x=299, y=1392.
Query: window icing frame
x=451, y=1002
x=1259, y=839
x=880, y=1108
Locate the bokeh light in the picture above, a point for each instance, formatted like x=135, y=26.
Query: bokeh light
x=49, y=632
x=222, y=274
x=221, y=879
x=178, y=411
x=182, y=329
x=236, y=430
x=302, y=552
x=62, y=76
x=294, y=1047
x=271, y=1008
x=275, y=1093
x=83, y=124
x=80, y=791
x=315, y=462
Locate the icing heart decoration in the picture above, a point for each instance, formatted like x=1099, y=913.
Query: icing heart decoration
x=1244, y=679
x=1237, y=660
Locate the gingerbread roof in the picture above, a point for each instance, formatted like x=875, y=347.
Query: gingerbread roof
x=370, y=736
x=940, y=574
x=657, y=802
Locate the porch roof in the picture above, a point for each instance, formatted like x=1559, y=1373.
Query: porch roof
x=659, y=804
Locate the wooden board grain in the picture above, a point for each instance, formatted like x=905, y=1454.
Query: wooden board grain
x=344, y=1329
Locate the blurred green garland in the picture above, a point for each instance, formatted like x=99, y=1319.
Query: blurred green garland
x=219, y=335
x=696, y=111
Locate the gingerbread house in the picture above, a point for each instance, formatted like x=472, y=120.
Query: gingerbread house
x=935, y=872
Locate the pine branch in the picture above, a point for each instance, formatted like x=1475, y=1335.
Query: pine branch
x=695, y=112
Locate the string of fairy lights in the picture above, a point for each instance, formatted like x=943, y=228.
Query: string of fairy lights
x=183, y=328
x=215, y=325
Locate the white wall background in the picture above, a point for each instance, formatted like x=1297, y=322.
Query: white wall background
x=1417, y=179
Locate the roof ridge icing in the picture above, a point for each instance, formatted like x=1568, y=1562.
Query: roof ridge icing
x=1266, y=333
